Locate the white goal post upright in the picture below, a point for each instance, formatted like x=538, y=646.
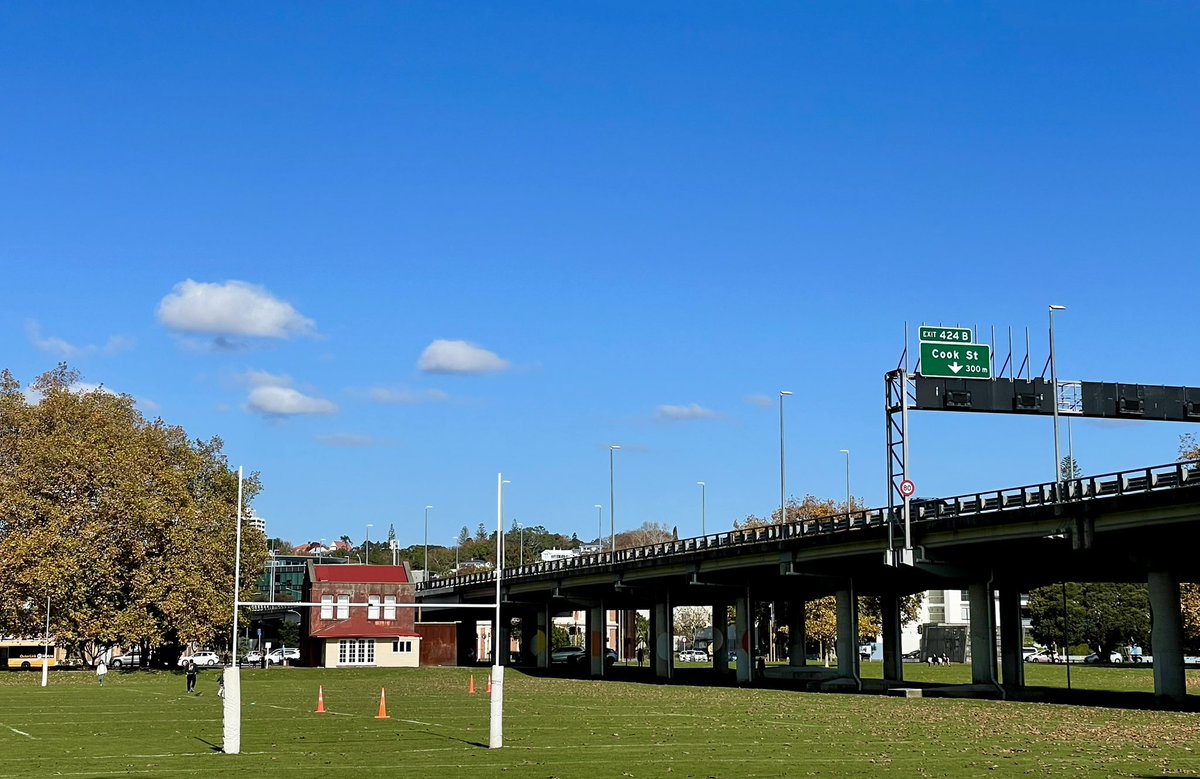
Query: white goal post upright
x=232, y=708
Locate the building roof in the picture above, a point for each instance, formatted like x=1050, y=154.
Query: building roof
x=361, y=574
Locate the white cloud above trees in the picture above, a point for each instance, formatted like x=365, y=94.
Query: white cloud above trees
x=235, y=308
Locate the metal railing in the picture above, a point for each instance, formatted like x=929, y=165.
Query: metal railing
x=1139, y=481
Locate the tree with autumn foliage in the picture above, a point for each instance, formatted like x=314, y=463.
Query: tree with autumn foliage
x=126, y=525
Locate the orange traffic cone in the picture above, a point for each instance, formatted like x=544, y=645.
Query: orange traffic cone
x=471, y=686
x=320, y=700
x=489, y=690
x=382, y=705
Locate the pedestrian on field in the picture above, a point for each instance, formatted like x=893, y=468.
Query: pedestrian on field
x=101, y=670
x=641, y=653
x=221, y=686
x=191, y=676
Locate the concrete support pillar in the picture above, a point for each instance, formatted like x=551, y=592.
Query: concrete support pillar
x=542, y=637
x=466, y=639
x=983, y=634
x=720, y=645
x=597, y=631
x=664, y=655
x=847, y=632
x=893, y=649
x=505, y=641
x=745, y=642
x=1012, y=639
x=1166, y=636
x=797, y=656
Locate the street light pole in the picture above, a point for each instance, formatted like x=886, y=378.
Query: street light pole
x=612, y=506
x=848, y=507
x=521, y=537
x=1054, y=391
x=427, y=542
x=782, y=497
x=367, y=545
x=703, y=531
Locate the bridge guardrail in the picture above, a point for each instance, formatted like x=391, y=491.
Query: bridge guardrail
x=1139, y=480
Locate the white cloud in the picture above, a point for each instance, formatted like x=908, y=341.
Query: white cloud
x=233, y=308
x=349, y=440
x=761, y=401
x=443, y=356
x=684, y=413
x=265, y=379
x=67, y=350
x=404, y=397
x=279, y=401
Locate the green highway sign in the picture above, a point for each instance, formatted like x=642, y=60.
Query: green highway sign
x=945, y=335
x=956, y=361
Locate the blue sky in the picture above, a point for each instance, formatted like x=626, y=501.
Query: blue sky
x=386, y=251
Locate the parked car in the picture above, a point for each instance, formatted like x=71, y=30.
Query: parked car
x=283, y=654
x=1042, y=656
x=1113, y=657
x=127, y=660
x=693, y=656
x=912, y=657
x=202, y=658
x=254, y=657
x=567, y=655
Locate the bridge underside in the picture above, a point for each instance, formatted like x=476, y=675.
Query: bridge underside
x=1148, y=538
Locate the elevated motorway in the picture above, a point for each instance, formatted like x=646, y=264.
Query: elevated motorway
x=1134, y=526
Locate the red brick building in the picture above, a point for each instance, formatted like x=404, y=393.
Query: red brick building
x=373, y=633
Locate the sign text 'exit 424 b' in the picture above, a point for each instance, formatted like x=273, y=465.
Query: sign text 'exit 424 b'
x=945, y=335
x=956, y=361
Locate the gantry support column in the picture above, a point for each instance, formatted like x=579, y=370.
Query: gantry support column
x=662, y=626
x=983, y=633
x=893, y=648
x=1166, y=636
x=1012, y=659
x=745, y=643
x=797, y=656
x=597, y=630
x=847, y=633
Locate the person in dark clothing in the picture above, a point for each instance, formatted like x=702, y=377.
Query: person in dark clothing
x=191, y=676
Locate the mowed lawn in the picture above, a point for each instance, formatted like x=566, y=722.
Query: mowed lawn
x=143, y=724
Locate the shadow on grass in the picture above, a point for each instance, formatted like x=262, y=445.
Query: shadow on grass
x=210, y=745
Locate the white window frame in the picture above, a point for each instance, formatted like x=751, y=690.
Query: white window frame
x=372, y=607
x=326, y=607
x=389, y=606
x=402, y=646
x=356, y=651
x=343, y=607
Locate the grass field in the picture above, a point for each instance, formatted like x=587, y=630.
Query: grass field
x=143, y=724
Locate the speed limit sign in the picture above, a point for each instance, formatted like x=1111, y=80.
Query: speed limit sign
x=907, y=488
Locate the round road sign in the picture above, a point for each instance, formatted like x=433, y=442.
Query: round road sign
x=907, y=488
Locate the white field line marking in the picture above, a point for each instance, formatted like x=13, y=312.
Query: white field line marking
x=19, y=732
x=416, y=722
x=289, y=708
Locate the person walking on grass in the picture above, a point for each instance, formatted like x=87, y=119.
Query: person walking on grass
x=191, y=676
x=101, y=671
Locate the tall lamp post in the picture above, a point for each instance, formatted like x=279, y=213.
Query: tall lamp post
x=612, y=506
x=367, y=545
x=703, y=531
x=521, y=537
x=456, y=547
x=849, y=508
x=427, y=542
x=1054, y=391
x=782, y=497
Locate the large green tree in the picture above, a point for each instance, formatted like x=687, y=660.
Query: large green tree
x=126, y=525
x=1104, y=616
